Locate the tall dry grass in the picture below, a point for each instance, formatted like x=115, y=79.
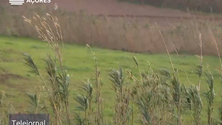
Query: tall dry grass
x=136, y=35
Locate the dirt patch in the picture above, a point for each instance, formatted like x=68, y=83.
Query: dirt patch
x=5, y=77
x=5, y=55
x=2, y=70
x=9, y=51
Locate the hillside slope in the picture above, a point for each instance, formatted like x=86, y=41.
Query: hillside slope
x=115, y=7
x=111, y=7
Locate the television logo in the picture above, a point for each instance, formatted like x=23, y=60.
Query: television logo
x=16, y=2
x=21, y=2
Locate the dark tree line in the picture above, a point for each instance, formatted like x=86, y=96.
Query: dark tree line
x=197, y=5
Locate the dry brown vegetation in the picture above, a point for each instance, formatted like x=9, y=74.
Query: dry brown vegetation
x=136, y=35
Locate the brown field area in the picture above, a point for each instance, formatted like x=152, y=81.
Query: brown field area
x=120, y=25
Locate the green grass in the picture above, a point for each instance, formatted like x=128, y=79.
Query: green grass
x=79, y=63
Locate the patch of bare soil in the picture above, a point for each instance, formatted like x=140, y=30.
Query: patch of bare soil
x=7, y=76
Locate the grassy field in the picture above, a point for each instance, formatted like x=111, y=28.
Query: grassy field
x=16, y=80
x=155, y=89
